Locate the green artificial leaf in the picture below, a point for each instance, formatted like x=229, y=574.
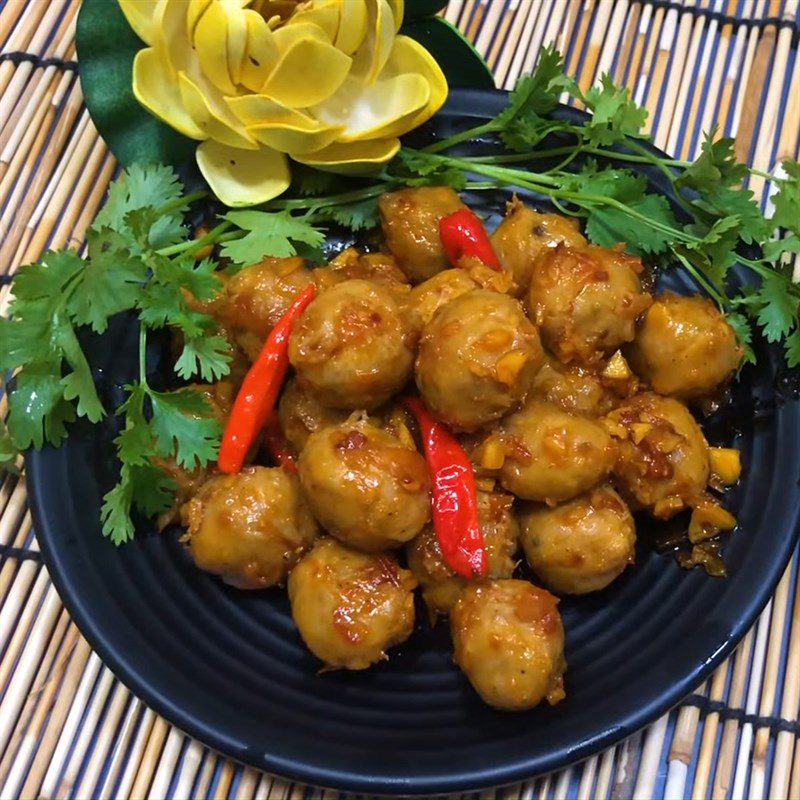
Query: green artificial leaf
x=461, y=63
x=419, y=9
x=787, y=198
x=273, y=234
x=106, y=47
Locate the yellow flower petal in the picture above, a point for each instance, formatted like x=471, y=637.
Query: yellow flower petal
x=289, y=35
x=169, y=34
x=243, y=177
x=323, y=15
x=140, y=14
x=353, y=20
x=193, y=14
x=353, y=158
x=211, y=47
x=292, y=138
x=237, y=39
x=211, y=114
x=376, y=48
x=157, y=90
x=409, y=56
x=366, y=111
x=307, y=73
x=261, y=54
x=254, y=109
x=398, y=10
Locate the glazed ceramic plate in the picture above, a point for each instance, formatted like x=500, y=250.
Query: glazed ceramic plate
x=229, y=668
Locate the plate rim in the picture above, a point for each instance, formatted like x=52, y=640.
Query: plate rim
x=468, y=103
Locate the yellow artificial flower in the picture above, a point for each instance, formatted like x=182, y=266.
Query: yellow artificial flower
x=325, y=82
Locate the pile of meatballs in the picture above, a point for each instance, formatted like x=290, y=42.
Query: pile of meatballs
x=568, y=384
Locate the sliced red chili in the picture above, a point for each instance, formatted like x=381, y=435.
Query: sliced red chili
x=454, y=507
x=260, y=388
x=277, y=445
x=462, y=235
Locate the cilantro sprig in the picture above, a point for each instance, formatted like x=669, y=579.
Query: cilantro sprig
x=140, y=259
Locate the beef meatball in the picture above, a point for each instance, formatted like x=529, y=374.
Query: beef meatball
x=365, y=486
x=410, y=221
x=351, y=607
x=552, y=456
x=258, y=295
x=477, y=358
x=586, y=302
x=301, y=414
x=350, y=346
x=582, y=545
x=663, y=463
x=351, y=264
x=440, y=585
x=428, y=297
x=525, y=234
x=684, y=347
x=509, y=641
x=574, y=389
x=250, y=528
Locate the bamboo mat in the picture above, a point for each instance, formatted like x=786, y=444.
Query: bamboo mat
x=68, y=728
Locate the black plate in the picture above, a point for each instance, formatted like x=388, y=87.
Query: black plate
x=228, y=667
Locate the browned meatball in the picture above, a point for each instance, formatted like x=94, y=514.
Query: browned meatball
x=440, y=585
x=477, y=358
x=410, y=221
x=301, y=414
x=525, y=234
x=582, y=545
x=684, y=347
x=586, y=302
x=428, y=297
x=509, y=641
x=258, y=295
x=250, y=528
x=573, y=389
x=663, y=463
x=351, y=607
x=350, y=346
x=552, y=456
x=351, y=264
x=364, y=486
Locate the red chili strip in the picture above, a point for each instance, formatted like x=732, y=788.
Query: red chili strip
x=455, y=507
x=260, y=388
x=462, y=235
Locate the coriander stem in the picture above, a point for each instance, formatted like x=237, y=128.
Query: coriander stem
x=312, y=203
x=142, y=356
x=463, y=136
x=180, y=202
x=721, y=301
x=187, y=248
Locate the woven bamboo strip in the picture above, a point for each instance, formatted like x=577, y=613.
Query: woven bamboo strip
x=627, y=766
x=476, y=17
x=121, y=743
x=453, y=10
x=67, y=784
x=789, y=142
x=550, y=35
x=207, y=774
x=246, y=787
x=133, y=758
x=9, y=14
x=588, y=775
x=25, y=660
x=500, y=40
x=767, y=701
x=562, y=781
x=14, y=510
x=103, y=742
x=20, y=38
x=67, y=733
x=681, y=749
x=650, y=758
x=608, y=41
x=147, y=766
x=605, y=24
x=38, y=704
x=166, y=764
x=224, y=780
x=190, y=766
x=489, y=25
x=7, y=575
x=519, y=39
x=790, y=704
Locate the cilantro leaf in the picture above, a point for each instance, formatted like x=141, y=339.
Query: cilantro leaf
x=37, y=409
x=207, y=356
x=721, y=201
x=78, y=384
x=49, y=278
x=181, y=426
x=787, y=198
x=115, y=513
x=715, y=166
x=774, y=307
x=309, y=181
x=8, y=453
x=358, y=216
x=792, y=348
x=614, y=113
x=744, y=333
x=268, y=234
